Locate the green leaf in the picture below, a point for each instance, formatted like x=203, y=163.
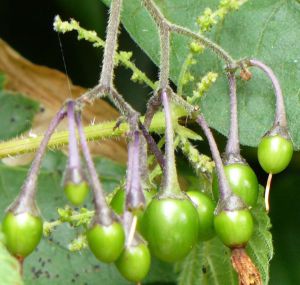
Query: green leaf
x=16, y=114
x=266, y=29
x=209, y=262
x=52, y=263
x=9, y=269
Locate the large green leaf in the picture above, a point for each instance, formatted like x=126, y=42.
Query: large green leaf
x=16, y=114
x=209, y=262
x=265, y=29
x=52, y=263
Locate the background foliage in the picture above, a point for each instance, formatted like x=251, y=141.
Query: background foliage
x=265, y=29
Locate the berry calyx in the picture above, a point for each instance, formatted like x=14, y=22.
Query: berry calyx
x=22, y=232
x=242, y=180
x=117, y=203
x=205, y=208
x=171, y=226
x=134, y=262
x=274, y=153
x=234, y=228
x=106, y=242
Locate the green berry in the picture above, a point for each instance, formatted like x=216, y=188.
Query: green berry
x=274, y=153
x=171, y=227
x=205, y=208
x=242, y=180
x=76, y=193
x=106, y=242
x=234, y=228
x=134, y=262
x=22, y=232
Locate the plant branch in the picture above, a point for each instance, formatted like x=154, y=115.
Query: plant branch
x=233, y=145
x=103, y=213
x=280, y=115
x=26, y=197
x=74, y=159
x=161, y=21
x=106, y=77
x=224, y=188
x=170, y=180
x=153, y=146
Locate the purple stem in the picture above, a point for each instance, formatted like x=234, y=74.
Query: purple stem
x=103, y=213
x=170, y=180
x=134, y=195
x=233, y=145
x=280, y=115
x=74, y=159
x=28, y=190
x=224, y=188
x=153, y=146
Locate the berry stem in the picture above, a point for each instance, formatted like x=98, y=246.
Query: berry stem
x=134, y=196
x=233, y=144
x=74, y=159
x=280, y=115
x=170, y=180
x=224, y=188
x=103, y=214
x=153, y=146
x=106, y=77
x=26, y=198
x=164, y=57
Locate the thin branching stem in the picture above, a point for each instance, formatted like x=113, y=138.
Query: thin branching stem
x=28, y=190
x=103, y=214
x=233, y=144
x=162, y=22
x=224, y=187
x=280, y=115
x=74, y=159
x=106, y=77
x=170, y=180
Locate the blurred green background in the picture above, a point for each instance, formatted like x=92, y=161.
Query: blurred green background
x=27, y=27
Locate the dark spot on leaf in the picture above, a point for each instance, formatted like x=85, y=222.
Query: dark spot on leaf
x=204, y=270
x=49, y=260
x=73, y=280
x=43, y=263
x=12, y=120
x=57, y=276
x=42, y=109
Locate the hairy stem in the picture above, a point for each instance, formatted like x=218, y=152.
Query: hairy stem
x=164, y=57
x=106, y=78
x=224, y=188
x=280, y=115
x=233, y=144
x=161, y=21
x=134, y=196
x=103, y=213
x=74, y=159
x=170, y=180
x=220, y=52
x=153, y=146
x=28, y=190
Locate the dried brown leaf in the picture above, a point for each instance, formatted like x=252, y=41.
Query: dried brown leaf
x=50, y=88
